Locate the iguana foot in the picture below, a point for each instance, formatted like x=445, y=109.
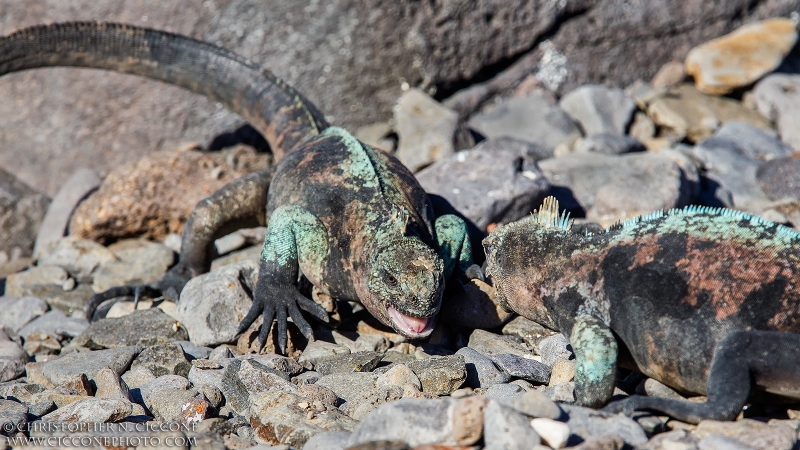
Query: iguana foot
x=276, y=303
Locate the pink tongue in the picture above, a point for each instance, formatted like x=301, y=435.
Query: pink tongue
x=416, y=324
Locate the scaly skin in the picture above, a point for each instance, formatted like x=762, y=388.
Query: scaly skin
x=351, y=219
x=691, y=298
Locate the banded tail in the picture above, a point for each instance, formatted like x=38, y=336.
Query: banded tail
x=271, y=106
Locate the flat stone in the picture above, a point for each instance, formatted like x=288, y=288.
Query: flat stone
x=56, y=219
x=289, y=366
x=489, y=344
x=609, y=144
x=143, y=327
x=529, y=331
x=519, y=367
x=440, y=375
x=563, y=371
x=535, y=404
x=110, y=385
x=22, y=209
x=554, y=433
x=426, y=129
x=13, y=417
x=137, y=376
x=504, y=392
x=599, y=110
x=319, y=392
x=63, y=369
x=171, y=405
x=532, y=119
x=413, y=421
x=555, y=347
x=331, y=440
x=720, y=442
x=505, y=428
x=587, y=423
x=481, y=371
x=359, y=407
x=742, y=57
x=754, y=142
x=309, y=377
x=498, y=181
x=354, y=362
x=138, y=262
x=756, y=434
x=22, y=284
x=80, y=257
x=398, y=375
x=776, y=97
x=16, y=312
x=195, y=351
x=91, y=410
x=212, y=305
x=12, y=359
x=349, y=386
x=562, y=392
x=245, y=380
x=165, y=359
x=780, y=178
x=687, y=112
x=286, y=418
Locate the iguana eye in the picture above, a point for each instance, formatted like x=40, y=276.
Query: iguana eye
x=390, y=279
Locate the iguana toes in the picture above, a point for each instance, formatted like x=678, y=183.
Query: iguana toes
x=351, y=219
x=701, y=299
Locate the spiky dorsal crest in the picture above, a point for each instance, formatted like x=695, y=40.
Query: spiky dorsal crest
x=548, y=217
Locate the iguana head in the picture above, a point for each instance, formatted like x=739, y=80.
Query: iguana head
x=405, y=281
x=517, y=256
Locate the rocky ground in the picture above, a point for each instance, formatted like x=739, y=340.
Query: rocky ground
x=718, y=129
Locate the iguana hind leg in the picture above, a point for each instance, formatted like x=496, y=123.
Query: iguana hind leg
x=455, y=248
x=595, y=360
x=239, y=204
x=768, y=358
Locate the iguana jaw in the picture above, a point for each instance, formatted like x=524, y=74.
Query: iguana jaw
x=412, y=327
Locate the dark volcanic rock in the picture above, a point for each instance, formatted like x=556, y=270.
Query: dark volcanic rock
x=143, y=327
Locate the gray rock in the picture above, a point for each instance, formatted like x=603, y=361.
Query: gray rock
x=776, y=97
x=110, y=385
x=309, y=377
x=137, y=377
x=207, y=372
x=489, y=344
x=195, y=351
x=17, y=312
x=13, y=417
x=587, y=423
x=414, y=421
x=481, y=371
x=506, y=429
x=398, y=375
x=287, y=418
x=609, y=144
x=40, y=409
x=91, y=410
x=80, y=257
x=281, y=363
x=757, y=434
x=220, y=353
x=529, y=331
x=12, y=359
x=230, y=243
x=519, y=367
x=140, y=262
x=359, y=407
x=245, y=380
x=504, y=393
x=555, y=347
x=780, y=178
x=56, y=219
x=149, y=392
x=531, y=119
x=720, y=442
x=349, y=386
x=332, y=440
x=533, y=403
x=440, y=375
x=363, y=361
x=170, y=404
x=601, y=185
x=26, y=283
x=321, y=393
x=318, y=351
x=210, y=309
x=65, y=368
x=426, y=130
x=142, y=327
x=599, y=110
x=753, y=142
x=22, y=210
x=165, y=359
x=496, y=182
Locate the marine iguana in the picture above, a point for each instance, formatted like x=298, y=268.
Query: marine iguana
x=351, y=219
x=704, y=300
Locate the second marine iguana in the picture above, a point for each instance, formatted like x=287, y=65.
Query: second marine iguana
x=351, y=219
x=704, y=300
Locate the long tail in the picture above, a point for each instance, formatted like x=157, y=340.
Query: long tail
x=274, y=108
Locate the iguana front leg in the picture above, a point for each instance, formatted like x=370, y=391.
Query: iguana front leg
x=296, y=240
x=454, y=247
x=239, y=204
x=595, y=361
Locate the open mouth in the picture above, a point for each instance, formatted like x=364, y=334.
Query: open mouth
x=414, y=327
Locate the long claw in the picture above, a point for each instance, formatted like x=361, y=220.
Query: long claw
x=252, y=315
x=300, y=321
x=313, y=308
x=282, y=339
x=269, y=314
